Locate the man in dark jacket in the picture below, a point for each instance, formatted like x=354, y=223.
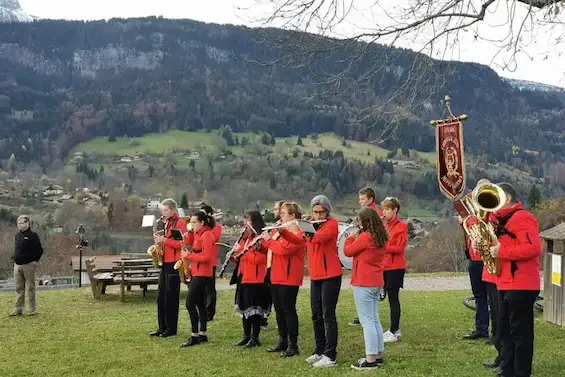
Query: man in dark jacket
x=27, y=252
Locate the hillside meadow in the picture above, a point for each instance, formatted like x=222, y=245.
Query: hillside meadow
x=75, y=335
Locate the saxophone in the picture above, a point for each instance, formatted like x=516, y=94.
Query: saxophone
x=182, y=265
x=485, y=198
x=156, y=250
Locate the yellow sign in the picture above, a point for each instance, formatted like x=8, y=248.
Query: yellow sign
x=556, y=269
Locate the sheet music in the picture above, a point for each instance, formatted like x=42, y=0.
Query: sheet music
x=148, y=221
x=306, y=226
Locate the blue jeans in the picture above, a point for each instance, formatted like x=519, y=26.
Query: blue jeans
x=367, y=304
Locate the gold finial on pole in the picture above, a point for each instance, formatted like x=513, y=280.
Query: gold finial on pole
x=451, y=117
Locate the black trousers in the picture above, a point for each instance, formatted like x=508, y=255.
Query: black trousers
x=395, y=311
x=270, y=299
x=323, y=301
x=196, y=303
x=517, y=332
x=211, y=296
x=252, y=326
x=284, y=300
x=168, y=298
x=494, y=305
x=479, y=288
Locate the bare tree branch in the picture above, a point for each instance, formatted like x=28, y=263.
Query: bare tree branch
x=339, y=44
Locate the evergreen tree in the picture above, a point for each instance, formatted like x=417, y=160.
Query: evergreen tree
x=534, y=197
x=299, y=142
x=184, y=201
x=273, y=183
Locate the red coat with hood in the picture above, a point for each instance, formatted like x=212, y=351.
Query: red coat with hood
x=520, y=250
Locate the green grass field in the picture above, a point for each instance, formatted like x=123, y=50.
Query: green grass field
x=174, y=139
x=74, y=335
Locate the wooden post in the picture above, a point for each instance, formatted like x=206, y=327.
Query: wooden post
x=554, y=294
x=122, y=284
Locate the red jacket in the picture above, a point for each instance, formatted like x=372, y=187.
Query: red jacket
x=374, y=206
x=253, y=264
x=323, y=260
x=171, y=247
x=520, y=251
x=202, y=253
x=368, y=261
x=287, y=267
x=217, y=231
x=395, y=257
x=489, y=278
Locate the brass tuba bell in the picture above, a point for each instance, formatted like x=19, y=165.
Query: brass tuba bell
x=485, y=198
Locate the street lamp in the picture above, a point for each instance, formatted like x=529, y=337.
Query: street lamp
x=82, y=242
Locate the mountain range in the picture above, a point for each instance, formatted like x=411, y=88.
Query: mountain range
x=65, y=82
x=11, y=11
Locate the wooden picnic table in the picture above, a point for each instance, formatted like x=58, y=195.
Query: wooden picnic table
x=128, y=272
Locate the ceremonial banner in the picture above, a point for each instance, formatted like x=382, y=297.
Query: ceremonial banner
x=450, y=159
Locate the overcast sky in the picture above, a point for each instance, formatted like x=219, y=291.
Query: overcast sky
x=543, y=60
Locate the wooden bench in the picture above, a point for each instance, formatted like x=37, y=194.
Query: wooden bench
x=130, y=272
x=99, y=279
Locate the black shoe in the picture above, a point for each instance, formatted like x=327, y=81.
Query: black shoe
x=156, y=333
x=355, y=322
x=363, y=364
x=210, y=319
x=290, y=352
x=379, y=361
x=166, y=334
x=278, y=348
x=253, y=342
x=192, y=341
x=203, y=338
x=490, y=364
x=475, y=335
x=242, y=342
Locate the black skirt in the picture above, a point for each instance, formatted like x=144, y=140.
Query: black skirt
x=252, y=299
x=394, y=279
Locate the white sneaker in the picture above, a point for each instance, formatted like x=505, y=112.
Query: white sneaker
x=325, y=362
x=389, y=337
x=313, y=359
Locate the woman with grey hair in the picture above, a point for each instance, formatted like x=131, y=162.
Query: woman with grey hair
x=27, y=252
x=325, y=273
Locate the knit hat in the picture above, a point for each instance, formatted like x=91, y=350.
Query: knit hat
x=323, y=201
x=510, y=190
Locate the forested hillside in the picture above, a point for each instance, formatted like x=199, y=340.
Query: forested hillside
x=64, y=82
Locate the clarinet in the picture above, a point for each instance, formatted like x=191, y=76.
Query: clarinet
x=230, y=253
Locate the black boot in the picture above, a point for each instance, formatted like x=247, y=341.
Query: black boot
x=253, y=342
x=281, y=346
x=242, y=342
x=192, y=341
x=292, y=349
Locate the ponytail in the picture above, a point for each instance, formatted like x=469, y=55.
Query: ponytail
x=208, y=220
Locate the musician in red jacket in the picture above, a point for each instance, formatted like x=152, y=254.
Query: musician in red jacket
x=211, y=288
x=518, y=250
x=394, y=263
x=287, y=275
x=368, y=248
x=478, y=287
x=201, y=259
x=253, y=296
x=169, y=280
x=325, y=273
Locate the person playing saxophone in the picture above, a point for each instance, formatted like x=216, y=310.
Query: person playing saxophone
x=169, y=280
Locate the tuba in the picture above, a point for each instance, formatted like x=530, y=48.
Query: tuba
x=156, y=250
x=484, y=199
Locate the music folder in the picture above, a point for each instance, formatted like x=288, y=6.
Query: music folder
x=177, y=235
